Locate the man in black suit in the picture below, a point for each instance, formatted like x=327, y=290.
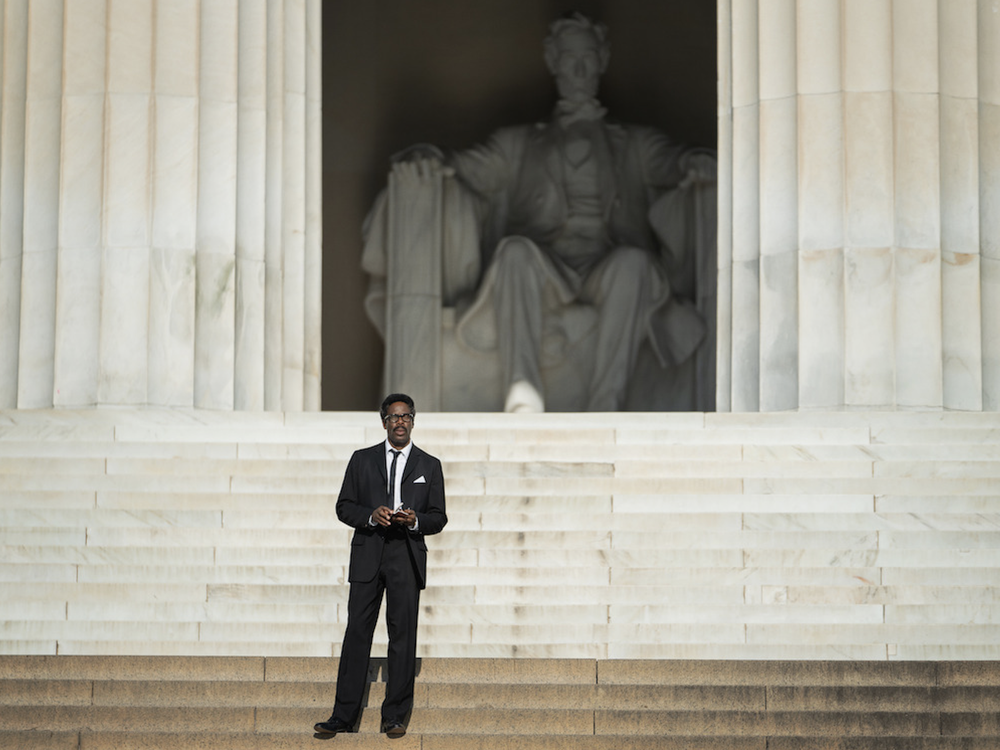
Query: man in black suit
x=393, y=496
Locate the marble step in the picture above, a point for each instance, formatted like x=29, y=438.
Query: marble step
x=867, y=535
x=486, y=727
x=581, y=719
x=570, y=467
x=489, y=671
x=437, y=620
x=150, y=702
x=941, y=445
x=305, y=741
x=680, y=504
x=353, y=427
x=686, y=647
x=699, y=592
x=513, y=721
x=672, y=698
x=498, y=527
x=666, y=593
x=298, y=741
x=542, y=533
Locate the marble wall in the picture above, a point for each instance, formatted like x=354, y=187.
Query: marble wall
x=160, y=204
x=860, y=204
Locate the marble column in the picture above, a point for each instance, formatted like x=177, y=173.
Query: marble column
x=160, y=203
x=860, y=205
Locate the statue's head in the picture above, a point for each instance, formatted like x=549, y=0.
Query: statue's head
x=577, y=53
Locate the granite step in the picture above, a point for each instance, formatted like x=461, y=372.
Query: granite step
x=159, y=702
x=223, y=741
x=584, y=720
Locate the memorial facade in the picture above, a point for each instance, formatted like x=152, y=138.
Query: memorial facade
x=160, y=220
x=160, y=238
x=858, y=201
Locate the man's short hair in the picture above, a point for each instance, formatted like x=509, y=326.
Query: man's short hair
x=393, y=398
x=576, y=21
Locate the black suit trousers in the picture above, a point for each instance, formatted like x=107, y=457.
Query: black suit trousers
x=398, y=582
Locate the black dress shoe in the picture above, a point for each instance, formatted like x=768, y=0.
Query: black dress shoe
x=332, y=727
x=393, y=728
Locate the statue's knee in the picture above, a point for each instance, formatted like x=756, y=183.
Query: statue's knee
x=632, y=262
x=515, y=251
x=516, y=260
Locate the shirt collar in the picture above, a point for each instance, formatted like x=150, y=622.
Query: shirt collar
x=404, y=450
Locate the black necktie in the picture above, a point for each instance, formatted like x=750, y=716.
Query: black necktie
x=392, y=479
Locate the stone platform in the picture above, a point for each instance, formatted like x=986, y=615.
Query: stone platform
x=783, y=536
x=210, y=703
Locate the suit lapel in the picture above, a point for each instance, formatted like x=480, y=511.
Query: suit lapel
x=378, y=456
x=413, y=463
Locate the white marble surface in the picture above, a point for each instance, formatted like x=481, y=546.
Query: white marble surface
x=827, y=536
x=251, y=191
x=126, y=119
x=172, y=293
x=78, y=325
x=882, y=180
x=990, y=269
x=893, y=117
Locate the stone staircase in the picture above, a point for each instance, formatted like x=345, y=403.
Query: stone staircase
x=177, y=579
x=120, y=703
x=596, y=536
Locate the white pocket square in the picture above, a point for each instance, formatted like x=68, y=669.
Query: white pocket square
x=420, y=480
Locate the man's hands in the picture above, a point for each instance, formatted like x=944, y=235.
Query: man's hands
x=384, y=516
x=406, y=517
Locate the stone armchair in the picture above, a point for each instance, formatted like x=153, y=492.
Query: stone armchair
x=423, y=255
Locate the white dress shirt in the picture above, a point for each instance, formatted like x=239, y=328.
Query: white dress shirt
x=404, y=453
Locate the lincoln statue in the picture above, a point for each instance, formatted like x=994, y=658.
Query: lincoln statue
x=576, y=210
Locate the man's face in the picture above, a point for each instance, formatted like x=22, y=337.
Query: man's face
x=578, y=66
x=398, y=424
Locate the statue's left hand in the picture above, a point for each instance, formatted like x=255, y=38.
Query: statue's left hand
x=418, y=152
x=419, y=170
x=700, y=166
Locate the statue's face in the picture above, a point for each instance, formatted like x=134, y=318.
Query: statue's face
x=578, y=66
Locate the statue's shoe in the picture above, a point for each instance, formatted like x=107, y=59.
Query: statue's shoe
x=523, y=398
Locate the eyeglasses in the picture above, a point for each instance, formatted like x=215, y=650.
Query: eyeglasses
x=397, y=418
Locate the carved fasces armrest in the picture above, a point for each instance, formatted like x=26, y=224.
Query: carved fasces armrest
x=421, y=251
x=422, y=236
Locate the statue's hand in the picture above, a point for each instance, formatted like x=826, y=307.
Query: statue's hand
x=420, y=170
x=700, y=166
x=418, y=152
x=419, y=163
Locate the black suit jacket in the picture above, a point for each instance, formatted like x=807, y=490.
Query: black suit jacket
x=364, y=489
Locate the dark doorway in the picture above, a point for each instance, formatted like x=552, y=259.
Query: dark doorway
x=449, y=72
